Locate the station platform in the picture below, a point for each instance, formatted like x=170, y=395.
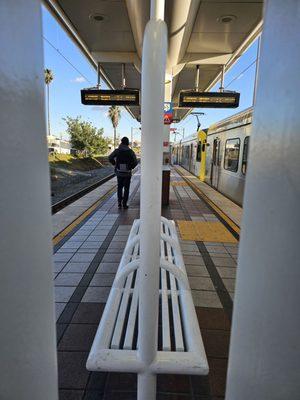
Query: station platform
x=86, y=257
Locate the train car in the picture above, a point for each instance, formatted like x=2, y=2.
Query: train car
x=219, y=154
x=190, y=153
x=227, y=155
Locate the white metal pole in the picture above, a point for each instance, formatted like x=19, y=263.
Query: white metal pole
x=222, y=79
x=123, y=77
x=197, y=79
x=265, y=352
x=98, y=75
x=27, y=334
x=153, y=77
x=157, y=10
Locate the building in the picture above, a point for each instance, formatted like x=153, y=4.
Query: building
x=57, y=145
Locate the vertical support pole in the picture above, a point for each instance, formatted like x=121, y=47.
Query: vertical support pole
x=98, y=75
x=264, y=353
x=197, y=80
x=27, y=334
x=123, y=77
x=222, y=79
x=153, y=77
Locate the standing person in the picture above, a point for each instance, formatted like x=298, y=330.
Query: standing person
x=124, y=160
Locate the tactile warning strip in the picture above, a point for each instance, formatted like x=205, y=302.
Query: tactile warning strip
x=204, y=231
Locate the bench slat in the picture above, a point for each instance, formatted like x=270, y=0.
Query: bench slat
x=128, y=342
x=179, y=344
x=116, y=340
x=166, y=340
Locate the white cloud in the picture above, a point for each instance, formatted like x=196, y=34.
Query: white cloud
x=79, y=79
x=100, y=109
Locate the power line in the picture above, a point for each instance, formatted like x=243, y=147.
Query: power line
x=72, y=65
x=66, y=59
x=241, y=73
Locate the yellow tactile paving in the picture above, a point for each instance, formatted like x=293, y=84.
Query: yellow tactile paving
x=179, y=183
x=205, y=231
x=188, y=178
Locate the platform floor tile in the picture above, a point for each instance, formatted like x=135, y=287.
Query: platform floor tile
x=226, y=272
x=59, y=307
x=224, y=261
x=196, y=270
x=229, y=284
x=76, y=267
x=205, y=298
x=201, y=283
x=178, y=183
x=63, y=293
x=68, y=279
x=102, y=280
x=96, y=294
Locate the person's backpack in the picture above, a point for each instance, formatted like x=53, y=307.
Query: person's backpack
x=123, y=161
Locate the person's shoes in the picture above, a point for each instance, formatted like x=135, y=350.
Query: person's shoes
x=119, y=205
x=125, y=206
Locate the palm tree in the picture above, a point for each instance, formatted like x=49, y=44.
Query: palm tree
x=114, y=114
x=48, y=79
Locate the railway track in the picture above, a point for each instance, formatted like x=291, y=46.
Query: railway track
x=70, y=199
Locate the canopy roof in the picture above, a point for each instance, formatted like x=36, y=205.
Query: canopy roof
x=210, y=33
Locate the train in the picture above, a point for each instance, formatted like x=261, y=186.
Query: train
x=218, y=155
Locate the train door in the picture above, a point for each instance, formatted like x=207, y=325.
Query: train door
x=201, y=155
x=216, y=163
x=191, y=158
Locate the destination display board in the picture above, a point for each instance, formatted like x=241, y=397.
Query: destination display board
x=193, y=99
x=99, y=97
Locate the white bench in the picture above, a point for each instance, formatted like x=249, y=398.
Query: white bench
x=180, y=347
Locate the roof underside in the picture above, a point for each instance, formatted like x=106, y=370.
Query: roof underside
x=196, y=36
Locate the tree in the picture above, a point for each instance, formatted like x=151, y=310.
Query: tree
x=114, y=114
x=48, y=79
x=85, y=137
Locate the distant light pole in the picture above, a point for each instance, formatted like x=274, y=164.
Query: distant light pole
x=178, y=133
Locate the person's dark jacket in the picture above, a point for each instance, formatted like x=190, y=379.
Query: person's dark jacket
x=123, y=155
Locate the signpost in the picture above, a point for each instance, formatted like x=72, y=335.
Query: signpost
x=194, y=99
x=99, y=97
x=168, y=113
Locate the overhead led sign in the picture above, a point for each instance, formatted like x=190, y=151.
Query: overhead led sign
x=99, y=97
x=193, y=99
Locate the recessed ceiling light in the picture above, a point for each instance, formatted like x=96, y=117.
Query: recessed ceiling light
x=98, y=17
x=226, y=19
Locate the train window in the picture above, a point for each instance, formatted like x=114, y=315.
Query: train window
x=215, y=151
x=232, y=152
x=199, y=149
x=245, y=155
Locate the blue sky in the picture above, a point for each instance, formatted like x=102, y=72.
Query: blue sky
x=68, y=80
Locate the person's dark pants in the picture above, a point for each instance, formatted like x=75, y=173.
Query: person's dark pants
x=123, y=182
